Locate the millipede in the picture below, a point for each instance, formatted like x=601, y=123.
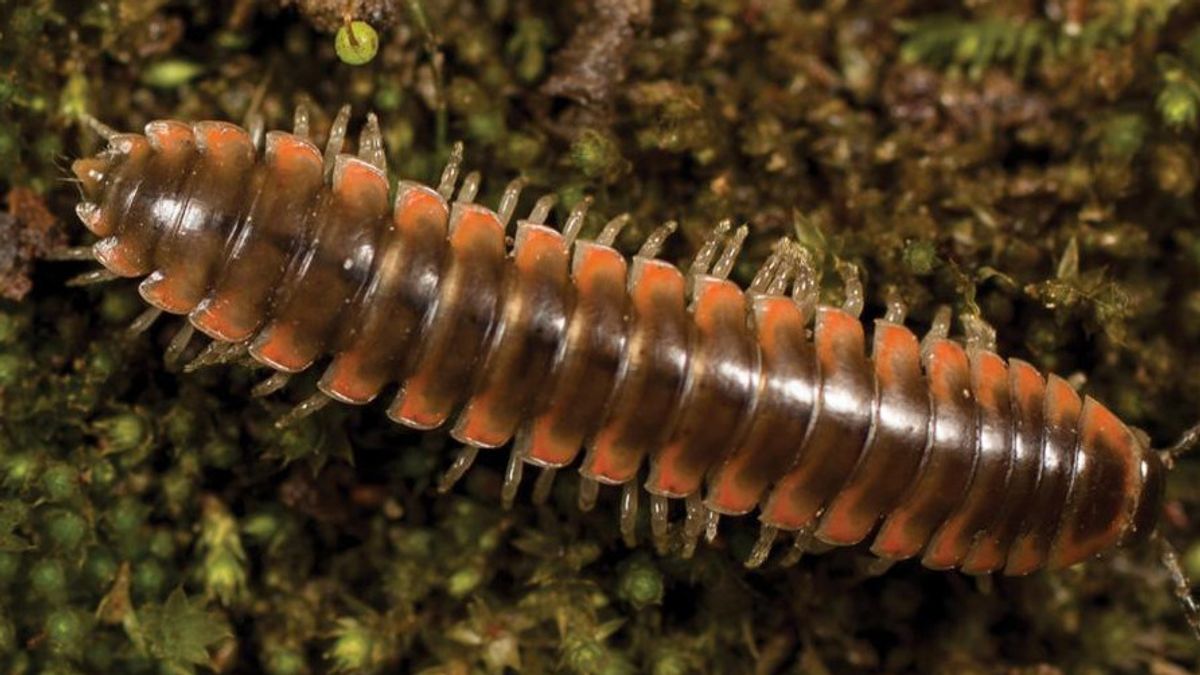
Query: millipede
x=737, y=401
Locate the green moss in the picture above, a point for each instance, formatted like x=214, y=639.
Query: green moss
x=1036, y=164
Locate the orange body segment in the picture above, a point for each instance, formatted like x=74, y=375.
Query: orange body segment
x=403, y=286
x=718, y=392
x=586, y=370
x=839, y=427
x=457, y=328
x=896, y=446
x=524, y=342
x=650, y=377
x=1104, y=487
x=787, y=393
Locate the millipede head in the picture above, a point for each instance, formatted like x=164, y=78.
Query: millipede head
x=91, y=172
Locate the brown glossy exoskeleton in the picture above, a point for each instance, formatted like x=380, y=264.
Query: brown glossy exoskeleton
x=928, y=447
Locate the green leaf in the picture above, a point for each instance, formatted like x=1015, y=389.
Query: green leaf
x=181, y=631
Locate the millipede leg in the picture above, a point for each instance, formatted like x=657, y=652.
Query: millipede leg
x=660, y=528
x=693, y=524
x=712, y=522
x=806, y=288
x=543, y=485
x=938, y=329
x=300, y=121
x=541, y=209
x=257, y=128
x=508, y=201
x=767, y=272
x=1183, y=586
x=370, y=144
x=762, y=547
x=469, y=189
x=102, y=130
x=654, y=243
x=512, y=480
x=800, y=545
x=709, y=249
x=216, y=353
x=878, y=566
x=305, y=408
x=589, y=490
x=99, y=276
x=278, y=380
x=575, y=219
x=73, y=253
x=178, y=344
x=450, y=173
x=1187, y=442
x=144, y=320
x=608, y=235
x=729, y=256
x=629, y=510
x=852, y=281
x=896, y=309
x=980, y=334
x=337, y=137
x=464, y=460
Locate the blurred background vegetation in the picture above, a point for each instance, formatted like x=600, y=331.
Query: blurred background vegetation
x=1034, y=162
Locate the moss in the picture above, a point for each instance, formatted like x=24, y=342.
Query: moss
x=1034, y=162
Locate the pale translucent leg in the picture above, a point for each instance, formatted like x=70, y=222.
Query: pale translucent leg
x=1181, y=583
x=896, y=309
x=508, y=201
x=464, y=460
x=307, y=407
x=709, y=249
x=370, y=144
x=337, y=138
x=543, y=485
x=73, y=253
x=257, y=128
x=711, y=525
x=272, y=384
x=179, y=343
x=589, y=490
x=144, y=320
x=300, y=121
x=803, y=543
x=512, y=480
x=575, y=219
x=99, y=276
x=939, y=329
x=216, y=353
x=450, y=173
x=469, y=189
x=853, y=304
x=541, y=209
x=629, y=510
x=654, y=243
x=100, y=128
x=762, y=547
x=1187, y=442
x=693, y=525
x=729, y=256
x=980, y=334
x=806, y=288
x=767, y=272
x=608, y=236
x=660, y=527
